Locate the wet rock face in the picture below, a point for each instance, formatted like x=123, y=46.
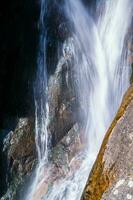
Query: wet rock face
x=67, y=148
x=63, y=103
x=63, y=162
x=112, y=174
x=19, y=150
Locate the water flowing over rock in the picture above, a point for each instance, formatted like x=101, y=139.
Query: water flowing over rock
x=19, y=145
x=49, y=155
x=62, y=163
x=94, y=58
x=63, y=122
x=112, y=175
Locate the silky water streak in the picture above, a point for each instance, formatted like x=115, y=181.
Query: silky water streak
x=41, y=109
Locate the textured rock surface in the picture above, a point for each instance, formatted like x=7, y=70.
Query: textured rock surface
x=62, y=100
x=19, y=147
x=112, y=175
x=63, y=162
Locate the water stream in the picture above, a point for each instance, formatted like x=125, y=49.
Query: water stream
x=102, y=71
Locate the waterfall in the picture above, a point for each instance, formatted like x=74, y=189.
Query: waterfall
x=102, y=72
x=113, y=26
x=90, y=69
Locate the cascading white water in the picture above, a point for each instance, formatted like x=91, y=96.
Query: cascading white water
x=90, y=68
x=102, y=75
x=41, y=108
x=102, y=72
x=113, y=25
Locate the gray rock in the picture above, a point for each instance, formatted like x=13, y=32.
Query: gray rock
x=112, y=175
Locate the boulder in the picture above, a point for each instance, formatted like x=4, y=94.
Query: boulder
x=19, y=148
x=111, y=177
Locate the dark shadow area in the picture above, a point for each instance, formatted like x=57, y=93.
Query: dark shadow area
x=18, y=51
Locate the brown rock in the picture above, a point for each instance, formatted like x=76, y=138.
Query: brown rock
x=41, y=190
x=62, y=101
x=63, y=162
x=20, y=147
x=112, y=175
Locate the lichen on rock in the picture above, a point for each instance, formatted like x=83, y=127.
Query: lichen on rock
x=115, y=159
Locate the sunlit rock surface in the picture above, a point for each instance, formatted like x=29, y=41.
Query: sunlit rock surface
x=112, y=175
